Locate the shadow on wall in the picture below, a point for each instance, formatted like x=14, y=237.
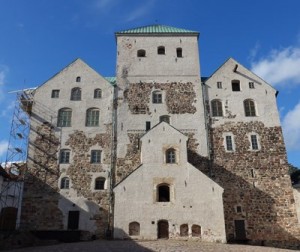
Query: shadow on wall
x=254, y=216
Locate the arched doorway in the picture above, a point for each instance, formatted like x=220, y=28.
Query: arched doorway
x=163, y=229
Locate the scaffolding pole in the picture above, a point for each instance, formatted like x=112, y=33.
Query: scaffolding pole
x=15, y=163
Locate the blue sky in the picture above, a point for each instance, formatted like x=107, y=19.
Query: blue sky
x=40, y=37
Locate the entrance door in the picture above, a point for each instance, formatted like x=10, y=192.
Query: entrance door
x=73, y=220
x=240, y=230
x=163, y=229
x=8, y=218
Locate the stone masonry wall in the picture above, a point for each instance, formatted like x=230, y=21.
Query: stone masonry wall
x=179, y=97
x=132, y=158
x=41, y=194
x=80, y=172
x=258, y=182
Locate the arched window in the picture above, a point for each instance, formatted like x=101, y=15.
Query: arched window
x=164, y=118
x=179, y=52
x=235, y=84
x=249, y=107
x=157, y=97
x=134, y=228
x=163, y=193
x=65, y=183
x=92, y=117
x=78, y=79
x=184, y=230
x=196, y=230
x=171, y=156
x=161, y=50
x=64, y=117
x=216, y=107
x=99, y=183
x=76, y=94
x=97, y=93
x=141, y=53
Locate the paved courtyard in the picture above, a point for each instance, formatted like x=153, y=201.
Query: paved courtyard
x=160, y=245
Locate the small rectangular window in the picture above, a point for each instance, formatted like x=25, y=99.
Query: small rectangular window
x=95, y=156
x=252, y=173
x=219, y=85
x=238, y=209
x=251, y=85
x=64, y=157
x=179, y=52
x=254, y=142
x=55, y=93
x=148, y=126
x=229, y=145
x=235, y=86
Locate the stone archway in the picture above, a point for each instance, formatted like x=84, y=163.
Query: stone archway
x=163, y=229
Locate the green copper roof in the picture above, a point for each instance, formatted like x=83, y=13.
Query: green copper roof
x=157, y=29
x=112, y=80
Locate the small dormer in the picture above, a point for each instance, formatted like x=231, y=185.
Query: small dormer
x=164, y=145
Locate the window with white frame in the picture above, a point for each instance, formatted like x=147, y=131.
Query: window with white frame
x=64, y=117
x=96, y=156
x=219, y=85
x=92, y=117
x=65, y=183
x=171, y=156
x=251, y=85
x=64, y=156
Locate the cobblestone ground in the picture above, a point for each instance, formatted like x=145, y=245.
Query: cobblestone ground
x=147, y=246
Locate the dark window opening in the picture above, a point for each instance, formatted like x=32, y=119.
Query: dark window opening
x=148, y=126
x=196, y=231
x=157, y=97
x=164, y=118
x=78, y=79
x=238, y=209
x=99, y=183
x=97, y=93
x=65, y=183
x=64, y=157
x=55, y=93
x=236, y=85
x=141, y=53
x=229, y=145
x=76, y=94
x=179, y=52
x=161, y=50
x=251, y=85
x=254, y=142
x=163, y=193
x=184, y=230
x=219, y=84
x=249, y=107
x=217, y=109
x=95, y=156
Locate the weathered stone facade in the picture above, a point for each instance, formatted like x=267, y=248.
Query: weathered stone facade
x=197, y=177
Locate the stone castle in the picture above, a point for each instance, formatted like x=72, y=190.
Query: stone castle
x=159, y=151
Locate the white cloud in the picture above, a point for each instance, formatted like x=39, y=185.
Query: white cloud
x=3, y=147
x=140, y=11
x=291, y=128
x=280, y=66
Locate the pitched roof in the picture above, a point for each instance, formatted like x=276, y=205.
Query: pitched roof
x=157, y=29
x=111, y=80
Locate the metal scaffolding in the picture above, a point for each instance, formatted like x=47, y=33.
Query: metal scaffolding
x=15, y=163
